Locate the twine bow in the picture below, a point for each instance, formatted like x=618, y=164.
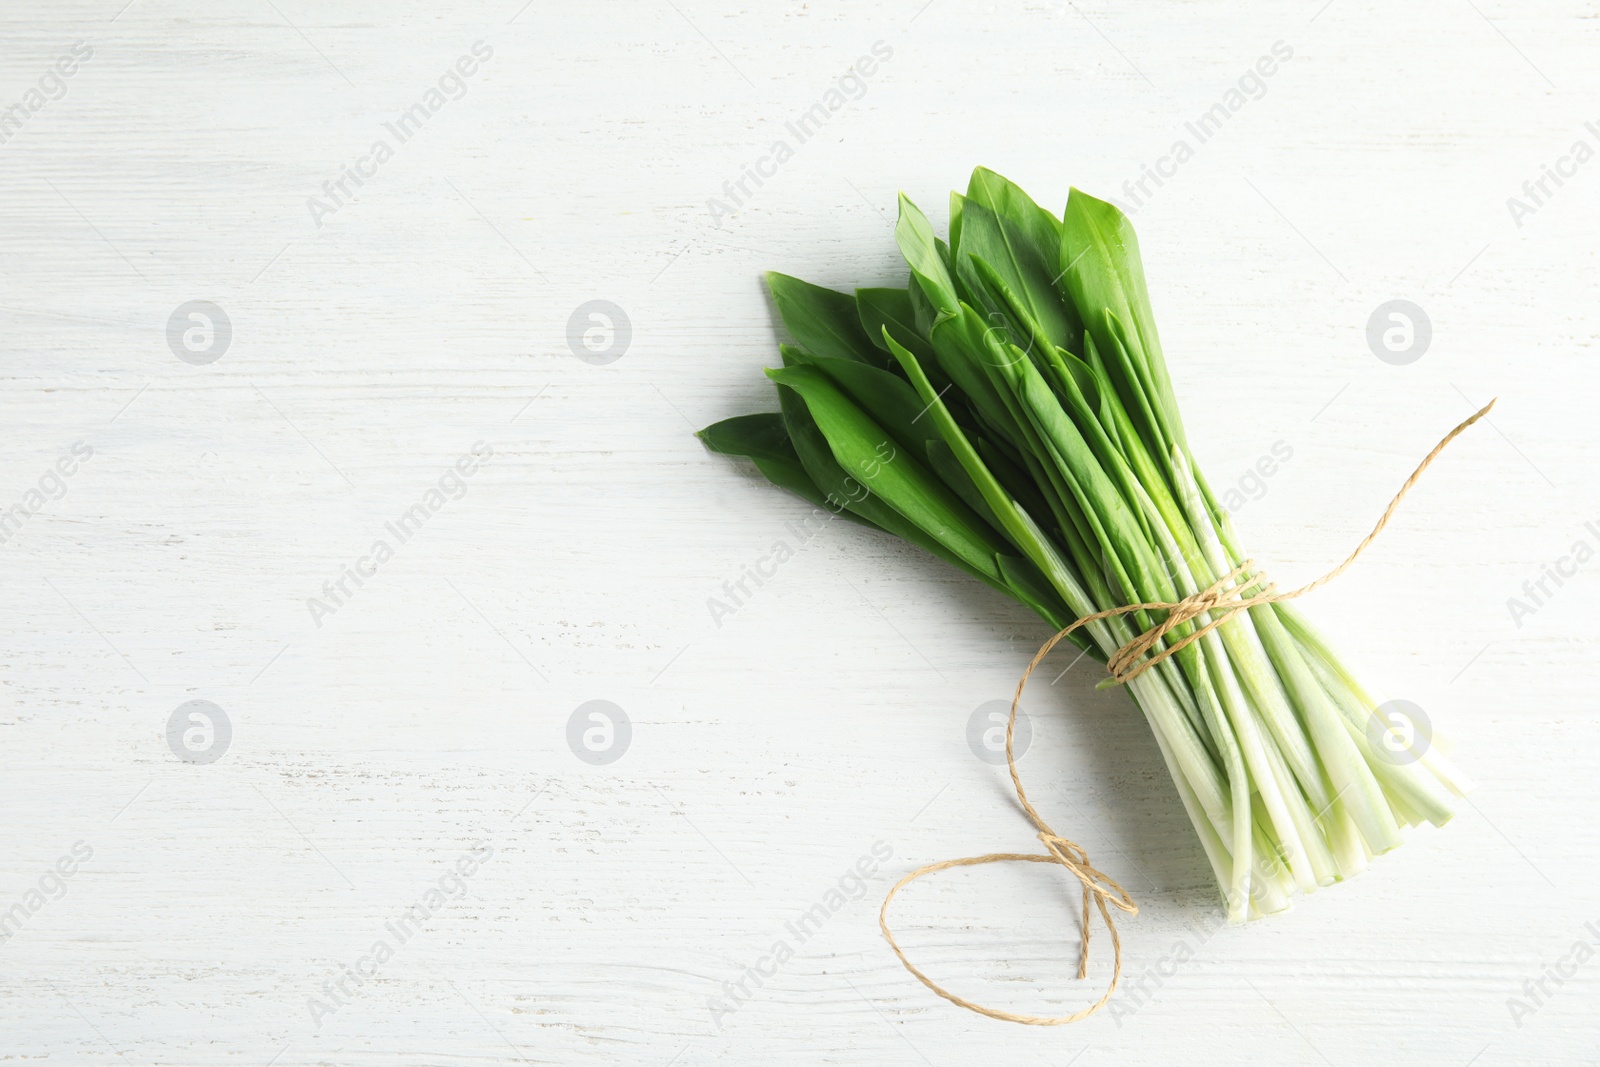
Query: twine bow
x=1239, y=590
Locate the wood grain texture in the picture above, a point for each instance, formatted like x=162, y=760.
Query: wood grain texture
x=774, y=748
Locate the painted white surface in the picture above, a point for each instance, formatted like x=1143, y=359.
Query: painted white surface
x=428, y=714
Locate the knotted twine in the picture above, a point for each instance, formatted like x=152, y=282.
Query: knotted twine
x=1238, y=590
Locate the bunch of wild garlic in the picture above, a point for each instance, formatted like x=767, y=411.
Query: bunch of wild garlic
x=1010, y=412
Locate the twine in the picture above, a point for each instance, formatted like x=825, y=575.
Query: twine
x=1225, y=598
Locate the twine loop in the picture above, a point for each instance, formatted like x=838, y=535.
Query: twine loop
x=1129, y=661
x=1242, y=588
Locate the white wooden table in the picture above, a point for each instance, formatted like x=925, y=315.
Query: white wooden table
x=406, y=744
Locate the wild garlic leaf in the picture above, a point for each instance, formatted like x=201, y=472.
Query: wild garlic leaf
x=846, y=491
x=821, y=320
x=1026, y=333
x=759, y=436
x=922, y=252
x=1028, y=585
x=960, y=352
x=891, y=309
x=763, y=439
x=923, y=313
x=1013, y=258
x=842, y=493
x=869, y=454
x=887, y=398
x=1002, y=506
x=1116, y=528
x=1101, y=269
x=1003, y=197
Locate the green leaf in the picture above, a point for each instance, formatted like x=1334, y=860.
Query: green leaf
x=1003, y=246
x=760, y=436
x=842, y=493
x=1040, y=553
x=1071, y=375
x=869, y=453
x=1007, y=200
x=821, y=320
x=1066, y=483
x=959, y=348
x=1124, y=370
x=921, y=250
x=1012, y=475
x=763, y=439
x=1100, y=271
x=1031, y=588
x=891, y=309
x=1009, y=308
x=923, y=313
x=1116, y=527
x=885, y=397
x=852, y=495
x=942, y=461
